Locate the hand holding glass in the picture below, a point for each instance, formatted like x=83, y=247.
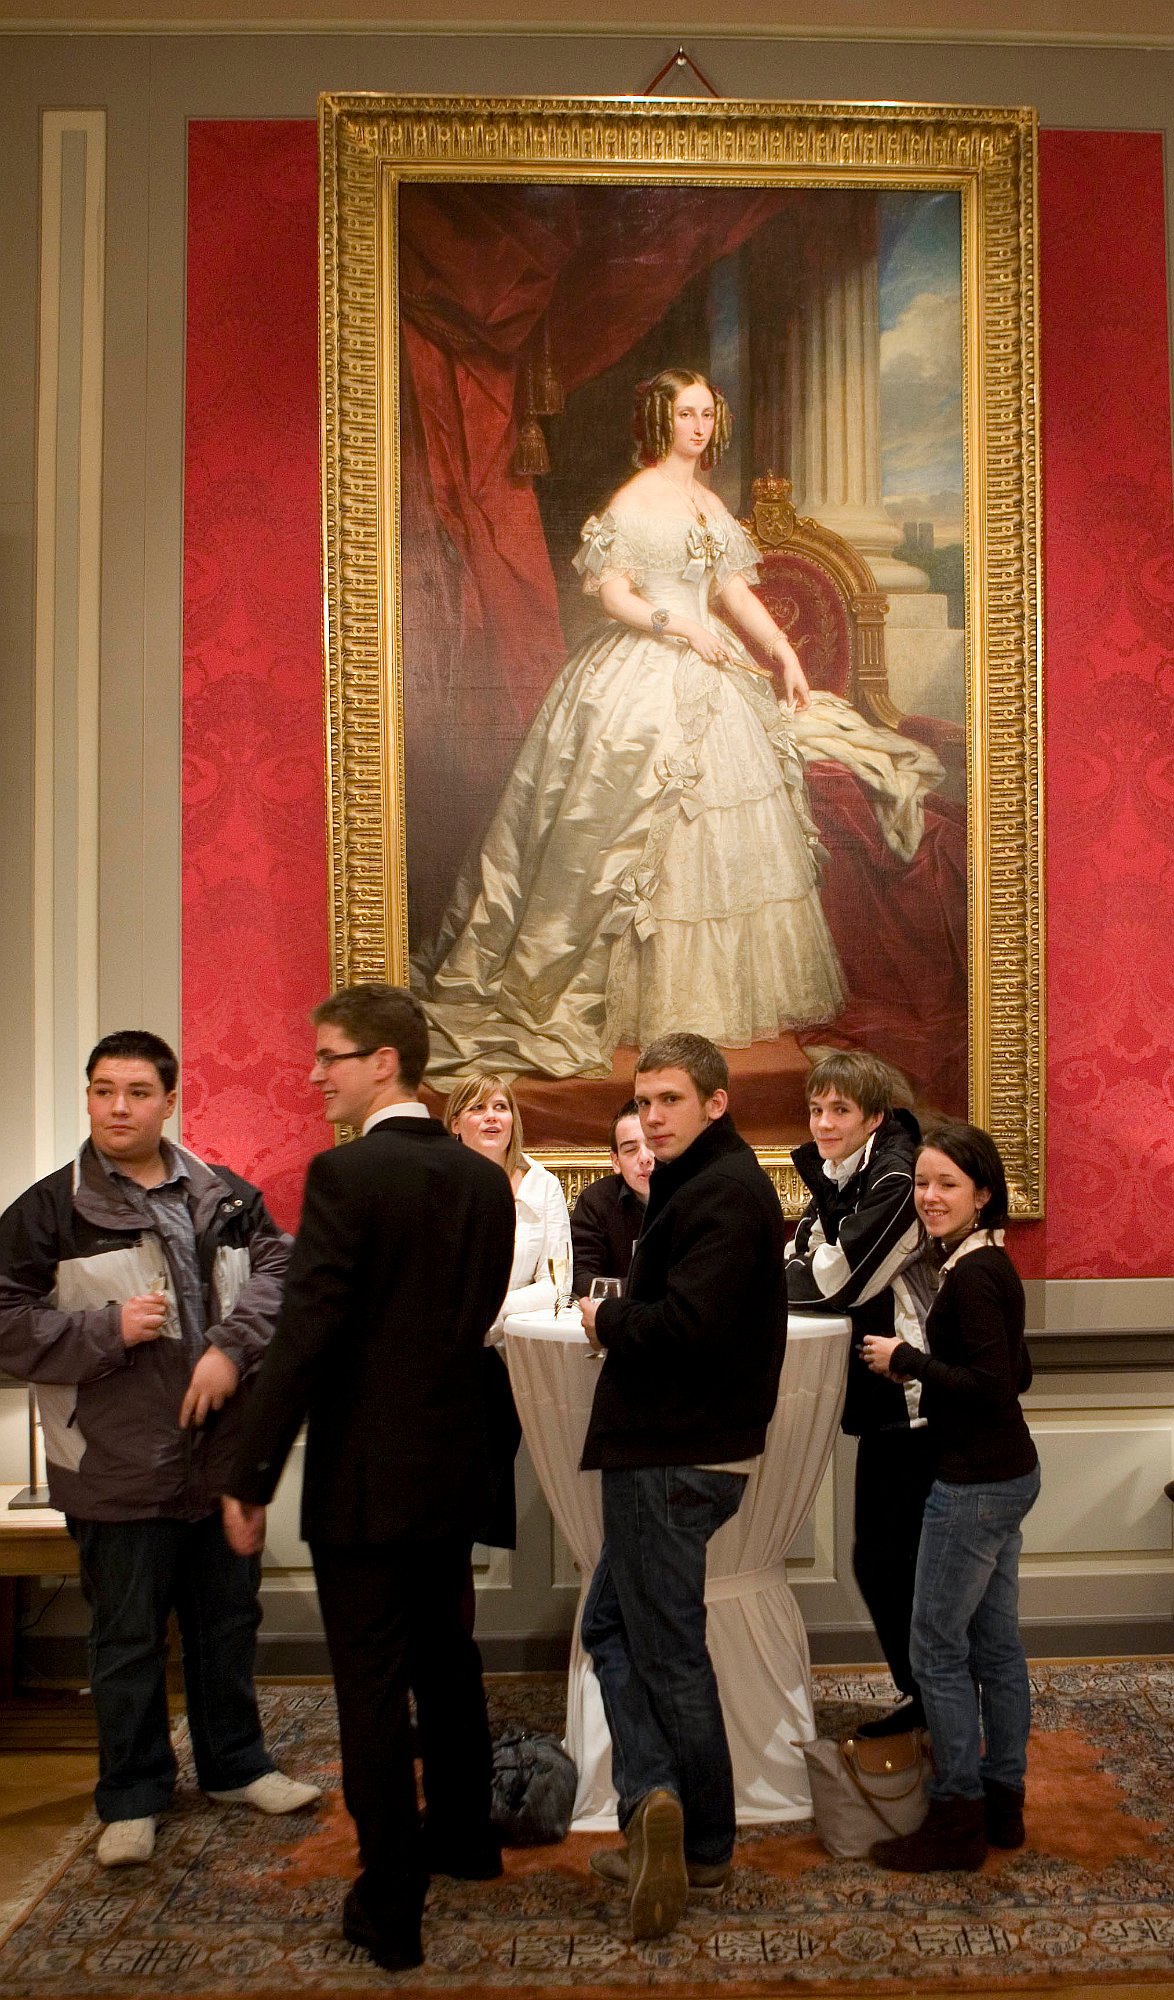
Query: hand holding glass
x=603, y=1288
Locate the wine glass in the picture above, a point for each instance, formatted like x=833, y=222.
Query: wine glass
x=604, y=1288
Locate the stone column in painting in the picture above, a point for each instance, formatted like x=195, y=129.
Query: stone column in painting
x=831, y=382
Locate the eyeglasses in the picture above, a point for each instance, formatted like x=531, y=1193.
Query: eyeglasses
x=326, y=1058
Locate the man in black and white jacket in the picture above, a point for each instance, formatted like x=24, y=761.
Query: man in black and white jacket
x=857, y=1250
x=139, y=1288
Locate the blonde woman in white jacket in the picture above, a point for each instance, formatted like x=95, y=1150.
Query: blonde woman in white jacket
x=482, y=1113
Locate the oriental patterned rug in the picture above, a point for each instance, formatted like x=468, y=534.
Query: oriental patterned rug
x=235, y=1905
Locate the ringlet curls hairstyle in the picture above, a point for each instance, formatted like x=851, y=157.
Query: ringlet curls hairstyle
x=652, y=417
x=474, y=1091
x=975, y=1153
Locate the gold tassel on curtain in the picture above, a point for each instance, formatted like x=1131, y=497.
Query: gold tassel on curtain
x=547, y=393
x=531, y=457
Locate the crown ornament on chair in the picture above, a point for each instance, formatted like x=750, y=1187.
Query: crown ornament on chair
x=774, y=514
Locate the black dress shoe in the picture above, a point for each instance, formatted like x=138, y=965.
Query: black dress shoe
x=909, y=1715
x=395, y=1945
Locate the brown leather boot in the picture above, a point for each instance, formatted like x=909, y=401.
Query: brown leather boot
x=1004, y=1814
x=952, y=1835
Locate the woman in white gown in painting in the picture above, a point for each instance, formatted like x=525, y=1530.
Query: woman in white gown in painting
x=652, y=864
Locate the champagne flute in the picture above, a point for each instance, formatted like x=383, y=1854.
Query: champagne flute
x=559, y=1266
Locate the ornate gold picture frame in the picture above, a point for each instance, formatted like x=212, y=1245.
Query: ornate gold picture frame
x=409, y=182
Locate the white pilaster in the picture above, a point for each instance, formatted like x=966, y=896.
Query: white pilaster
x=68, y=607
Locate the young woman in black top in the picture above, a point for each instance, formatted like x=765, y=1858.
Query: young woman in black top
x=965, y=1608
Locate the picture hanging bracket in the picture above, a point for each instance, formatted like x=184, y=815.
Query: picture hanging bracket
x=681, y=60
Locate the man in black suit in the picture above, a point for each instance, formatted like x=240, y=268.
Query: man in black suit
x=609, y=1214
x=400, y=1265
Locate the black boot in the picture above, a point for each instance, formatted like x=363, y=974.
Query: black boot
x=1004, y=1814
x=952, y=1835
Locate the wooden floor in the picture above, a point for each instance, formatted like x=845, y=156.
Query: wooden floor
x=45, y=1797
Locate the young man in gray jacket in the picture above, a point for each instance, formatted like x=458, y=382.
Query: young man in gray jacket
x=138, y=1290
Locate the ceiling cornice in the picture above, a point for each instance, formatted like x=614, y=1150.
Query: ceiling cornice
x=1139, y=24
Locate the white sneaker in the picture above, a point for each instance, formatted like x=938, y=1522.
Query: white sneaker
x=125, y=1841
x=272, y=1792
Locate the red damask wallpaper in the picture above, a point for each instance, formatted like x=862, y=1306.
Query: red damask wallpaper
x=1109, y=707
x=254, y=837
x=254, y=882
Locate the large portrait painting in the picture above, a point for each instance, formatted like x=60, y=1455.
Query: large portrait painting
x=681, y=572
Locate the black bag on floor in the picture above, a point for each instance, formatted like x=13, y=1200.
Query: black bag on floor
x=534, y=1783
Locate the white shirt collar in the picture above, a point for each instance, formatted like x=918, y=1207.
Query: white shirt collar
x=841, y=1171
x=410, y=1108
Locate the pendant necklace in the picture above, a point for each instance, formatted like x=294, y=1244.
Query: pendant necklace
x=709, y=544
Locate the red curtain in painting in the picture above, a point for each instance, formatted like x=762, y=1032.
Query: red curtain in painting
x=479, y=268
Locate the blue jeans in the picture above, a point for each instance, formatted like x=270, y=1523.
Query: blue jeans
x=965, y=1645
x=134, y=1573
x=644, y=1627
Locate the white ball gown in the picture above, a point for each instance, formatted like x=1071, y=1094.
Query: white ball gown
x=652, y=864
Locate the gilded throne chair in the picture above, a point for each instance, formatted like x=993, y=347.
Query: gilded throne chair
x=824, y=595
x=899, y=924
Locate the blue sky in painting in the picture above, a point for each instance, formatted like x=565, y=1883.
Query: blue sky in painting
x=921, y=358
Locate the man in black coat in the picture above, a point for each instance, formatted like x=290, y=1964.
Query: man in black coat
x=692, y=1357
x=609, y=1214
x=400, y=1265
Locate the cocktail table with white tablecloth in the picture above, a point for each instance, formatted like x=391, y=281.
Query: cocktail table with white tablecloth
x=756, y=1636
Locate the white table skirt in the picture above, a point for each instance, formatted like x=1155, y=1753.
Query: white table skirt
x=756, y=1636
